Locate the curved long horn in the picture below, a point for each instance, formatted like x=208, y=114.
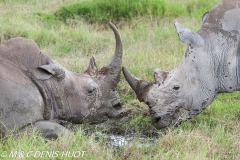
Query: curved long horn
x=113, y=68
x=140, y=87
x=132, y=81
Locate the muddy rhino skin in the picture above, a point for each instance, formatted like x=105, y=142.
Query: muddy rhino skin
x=210, y=66
x=35, y=88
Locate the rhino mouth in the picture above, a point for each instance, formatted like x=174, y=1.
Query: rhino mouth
x=115, y=112
x=161, y=121
x=170, y=117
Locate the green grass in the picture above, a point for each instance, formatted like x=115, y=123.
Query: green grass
x=149, y=42
x=29, y=145
x=115, y=10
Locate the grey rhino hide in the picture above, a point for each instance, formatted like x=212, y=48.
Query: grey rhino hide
x=33, y=87
x=211, y=65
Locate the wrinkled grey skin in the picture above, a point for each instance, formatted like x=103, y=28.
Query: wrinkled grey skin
x=211, y=65
x=33, y=87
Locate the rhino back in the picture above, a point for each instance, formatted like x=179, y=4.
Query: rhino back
x=20, y=55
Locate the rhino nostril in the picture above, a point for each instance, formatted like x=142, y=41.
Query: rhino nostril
x=176, y=87
x=117, y=106
x=158, y=119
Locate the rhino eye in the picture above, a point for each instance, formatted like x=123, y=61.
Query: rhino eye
x=176, y=87
x=91, y=90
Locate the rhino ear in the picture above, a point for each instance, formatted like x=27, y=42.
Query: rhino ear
x=92, y=69
x=186, y=35
x=205, y=16
x=53, y=70
x=160, y=75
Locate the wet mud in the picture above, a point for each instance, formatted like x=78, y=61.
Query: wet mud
x=120, y=140
x=116, y=136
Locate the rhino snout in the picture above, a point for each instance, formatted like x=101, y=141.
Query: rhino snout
x=163, y=118
x=115, y=110
x=115, y=100
x=114, y=113
x=168, y=116
x=161, y=121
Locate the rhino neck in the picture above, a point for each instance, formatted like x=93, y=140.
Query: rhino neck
x=55, y=98
x=238, y=66
x=211, y=72
x=52, y=92
x=222, y=31
x=225, y=65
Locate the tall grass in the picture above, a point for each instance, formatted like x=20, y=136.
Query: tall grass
x=149, y=42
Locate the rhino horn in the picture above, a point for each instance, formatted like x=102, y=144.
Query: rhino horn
x=159, y=75
x=132, y=81
x=187, y=36
x=92, y=69
x=140, y=87
x=113, y=68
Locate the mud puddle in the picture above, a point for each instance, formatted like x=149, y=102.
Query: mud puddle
x=116, y=138
x=117, y=141
x=114, y=134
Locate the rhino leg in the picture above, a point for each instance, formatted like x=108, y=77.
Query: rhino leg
x=50, y=129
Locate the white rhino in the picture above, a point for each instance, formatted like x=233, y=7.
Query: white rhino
x=35, y=88
x=211, y=66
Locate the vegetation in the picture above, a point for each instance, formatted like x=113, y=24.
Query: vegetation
x=115, y=10
x=71, y=31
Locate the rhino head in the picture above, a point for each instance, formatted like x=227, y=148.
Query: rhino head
x=210, y=66
x=35, y=88
x=106, y=80
x=82, y=97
